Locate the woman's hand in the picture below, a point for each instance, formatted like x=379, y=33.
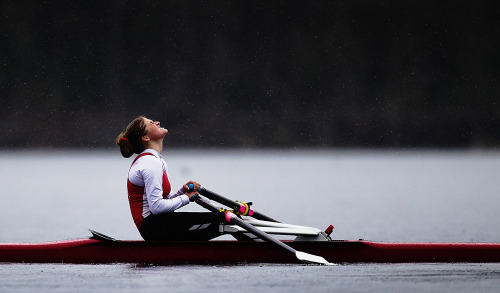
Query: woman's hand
x=195, y=184
x=191, y=193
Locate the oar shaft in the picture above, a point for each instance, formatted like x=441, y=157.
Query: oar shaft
x=232, y=218
x=260, y=216
x=232, y=204
x=262, y=235
x=199, y=200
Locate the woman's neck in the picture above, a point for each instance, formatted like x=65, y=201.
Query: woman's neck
x=157, y=146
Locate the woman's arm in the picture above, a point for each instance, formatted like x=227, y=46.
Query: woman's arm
x=152, y=174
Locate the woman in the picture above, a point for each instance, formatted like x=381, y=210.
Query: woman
x=152, y=202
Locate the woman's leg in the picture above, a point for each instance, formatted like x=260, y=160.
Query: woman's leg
x=177, y=226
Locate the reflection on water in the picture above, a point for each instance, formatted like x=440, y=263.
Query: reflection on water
x=377, y=195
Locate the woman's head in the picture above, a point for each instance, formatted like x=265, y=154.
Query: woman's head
x=130, y=140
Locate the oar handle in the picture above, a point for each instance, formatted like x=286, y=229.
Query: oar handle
x=191, y=187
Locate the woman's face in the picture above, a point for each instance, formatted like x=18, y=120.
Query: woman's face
x=153, y=129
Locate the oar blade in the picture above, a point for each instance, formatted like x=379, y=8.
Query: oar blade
x=311, y=258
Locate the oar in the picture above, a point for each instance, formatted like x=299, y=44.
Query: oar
x=239, y=207
x=232, y=218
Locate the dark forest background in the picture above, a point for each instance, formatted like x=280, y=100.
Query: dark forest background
x=399, y=74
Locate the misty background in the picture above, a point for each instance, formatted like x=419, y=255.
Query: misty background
x=397, y=74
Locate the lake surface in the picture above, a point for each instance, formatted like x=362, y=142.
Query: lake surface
x=450, y=196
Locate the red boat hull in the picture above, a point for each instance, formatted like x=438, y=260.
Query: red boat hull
x=208, y=252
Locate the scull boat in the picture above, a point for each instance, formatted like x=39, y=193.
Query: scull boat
x=310, y=245
x=101, y=249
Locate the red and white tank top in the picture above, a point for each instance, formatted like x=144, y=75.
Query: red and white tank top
x=149, y=189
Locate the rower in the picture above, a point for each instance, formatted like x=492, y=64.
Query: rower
x=153, y=203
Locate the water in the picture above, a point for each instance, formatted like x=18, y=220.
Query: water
x=251, y=278
x=377, y=195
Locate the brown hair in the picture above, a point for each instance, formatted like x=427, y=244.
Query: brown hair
x=129, y=140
